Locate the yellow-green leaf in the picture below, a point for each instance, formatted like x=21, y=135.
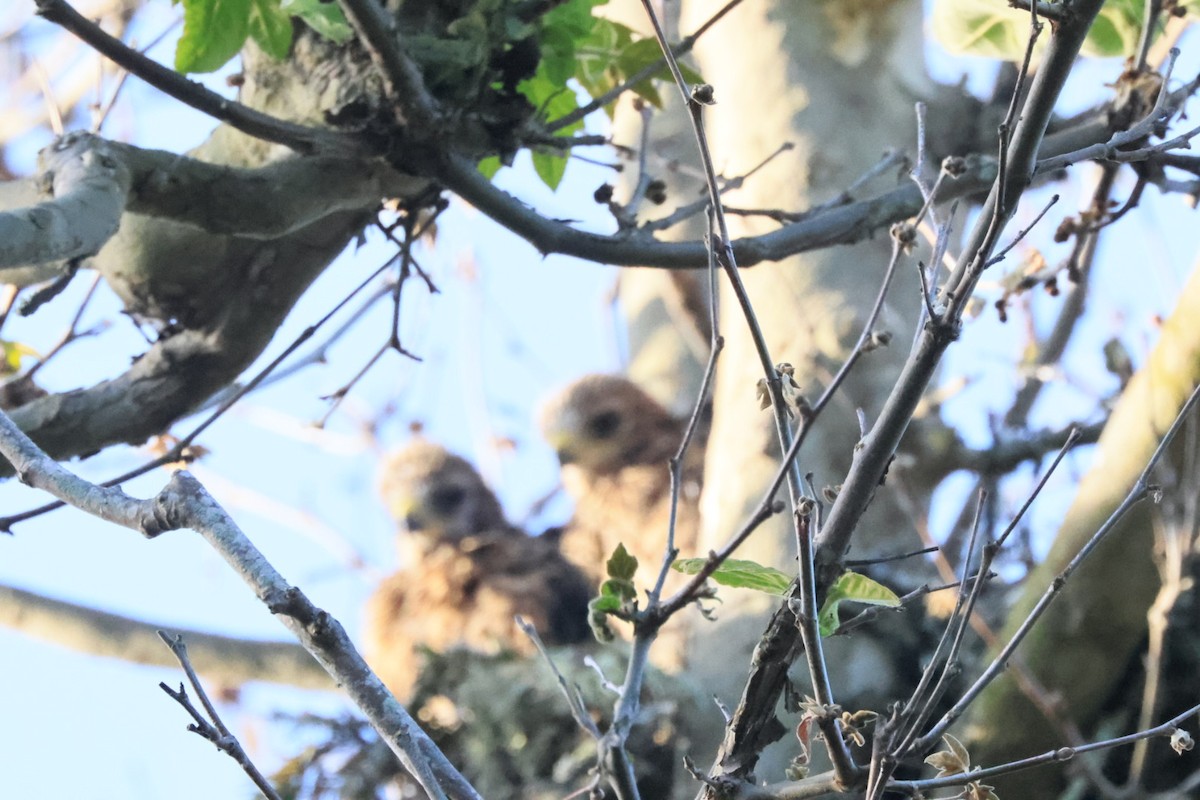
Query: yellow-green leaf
x=740, y=573
x=11, y=354
x=993, y=29
x=856, y=588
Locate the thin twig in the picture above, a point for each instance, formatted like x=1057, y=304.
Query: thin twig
x=1062, y=754
x=215, y=731
x=1141, y=488
x=1004, y=251
x=177, y=452
x=645, y=73
x=578, y=712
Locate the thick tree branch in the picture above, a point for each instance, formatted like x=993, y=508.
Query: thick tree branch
x=301, y=138
x=263, y=203
x=180, y=372
x=843, y=224
x=94, y=180
x=87, y=185
x=225, y=659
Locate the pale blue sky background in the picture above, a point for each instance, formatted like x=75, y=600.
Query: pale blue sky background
x=497, y=338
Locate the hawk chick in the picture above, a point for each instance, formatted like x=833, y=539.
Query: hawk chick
x=614, y=442
x=467, y=572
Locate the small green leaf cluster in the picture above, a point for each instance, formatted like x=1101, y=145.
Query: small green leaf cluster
x=851, y=586
x=214, y=31
x=473, y=54
x=615, y=593
x=598, y=55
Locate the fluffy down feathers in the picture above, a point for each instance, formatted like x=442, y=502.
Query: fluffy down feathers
x=468, y=572
x=614, y=442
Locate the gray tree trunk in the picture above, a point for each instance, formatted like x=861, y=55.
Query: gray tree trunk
x=840, y=86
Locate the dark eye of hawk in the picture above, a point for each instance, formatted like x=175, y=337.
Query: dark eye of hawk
x=604, y=425
x=445, y=500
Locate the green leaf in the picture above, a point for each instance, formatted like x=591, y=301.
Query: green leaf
x=988, y=28
x=1116, y=30
x=558, y=56
x=621, y=565
x=563, y=29
x=489, y=166
x=619, y=588
x=552, y=100
x=598, y=611
x=641, y=54
x=11, y=354
x=550, y=167
x=271, y=28
x=605, y=603
x=992, y=29
x=213, y=33
x=574, y=17
x=326, y=19
x=740, y=573
x=855, y=588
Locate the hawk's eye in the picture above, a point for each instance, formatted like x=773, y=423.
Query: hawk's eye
x=603, y=425
x=445, y=500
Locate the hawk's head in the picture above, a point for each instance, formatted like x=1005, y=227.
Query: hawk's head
x=437, y=495
x=603, y=423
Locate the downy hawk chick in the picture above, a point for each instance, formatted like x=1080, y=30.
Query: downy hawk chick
x=614, y=442
x=467, y=572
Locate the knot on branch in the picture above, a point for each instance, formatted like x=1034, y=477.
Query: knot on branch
x=172, y=509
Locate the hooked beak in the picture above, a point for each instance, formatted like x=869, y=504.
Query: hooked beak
x=563, y=449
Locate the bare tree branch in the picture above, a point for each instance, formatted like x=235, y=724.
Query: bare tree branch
x=183, y=503
x=225, y=659
x=88, y=186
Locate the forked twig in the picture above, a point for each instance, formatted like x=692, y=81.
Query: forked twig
x=209, y=725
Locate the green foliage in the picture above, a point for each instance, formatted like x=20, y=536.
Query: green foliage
x=465, y=49
x=271, y=28
x=599, y=55
x=621, y=566
x=993, y=29
x=214, y=31
x=749, y=575
x=11, y=354
x=1116, y=31
x=326, y=19
x=740, y=574
x=856, y=588
x=612, y=55
x=614, y=592
x=490, y=166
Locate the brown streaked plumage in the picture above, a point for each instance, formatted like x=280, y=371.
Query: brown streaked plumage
x=614, y=442
x=468, y=572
